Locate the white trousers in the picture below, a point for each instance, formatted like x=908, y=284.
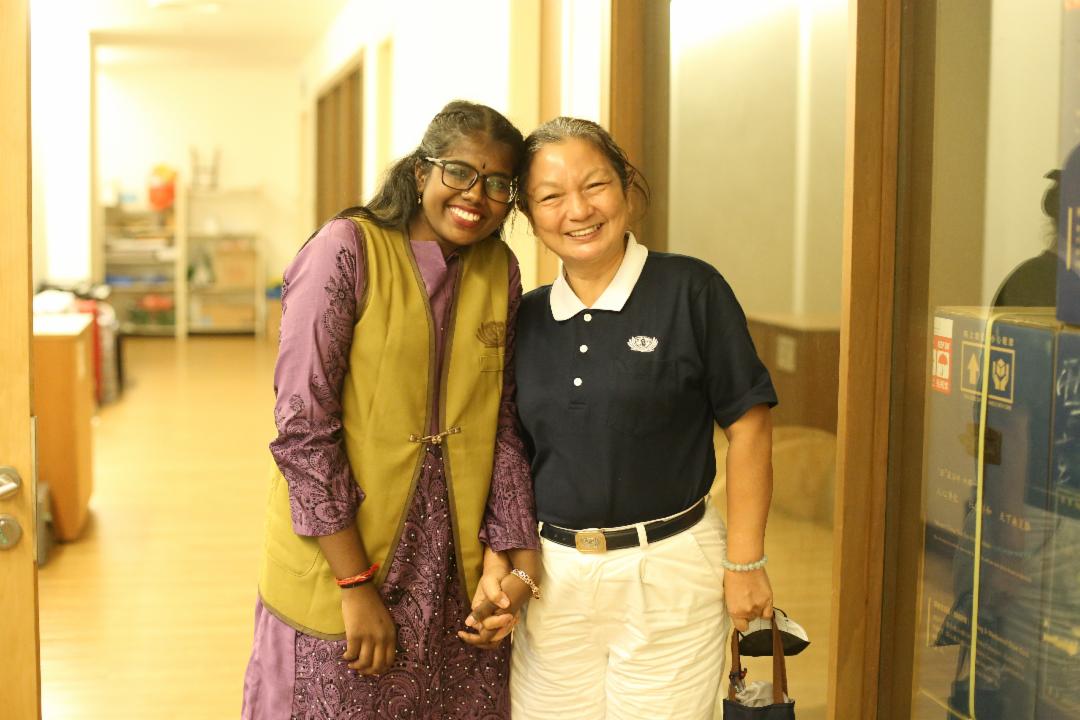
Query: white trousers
x=633, y=634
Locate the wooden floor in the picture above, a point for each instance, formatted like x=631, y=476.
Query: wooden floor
x=149, y=614
x=800, y=569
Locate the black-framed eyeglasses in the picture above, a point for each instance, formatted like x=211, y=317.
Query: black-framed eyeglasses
x=458, y=175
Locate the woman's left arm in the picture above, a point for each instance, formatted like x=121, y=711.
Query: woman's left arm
x=741, y=394
x=749, y=492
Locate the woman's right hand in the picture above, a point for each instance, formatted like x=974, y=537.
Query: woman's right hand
x=487, y=619
x=370, y=634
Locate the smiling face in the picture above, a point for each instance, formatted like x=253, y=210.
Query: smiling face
x=577, y=205
x=458, y=218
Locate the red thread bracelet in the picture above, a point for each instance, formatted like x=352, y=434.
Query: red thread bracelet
x=359, y=579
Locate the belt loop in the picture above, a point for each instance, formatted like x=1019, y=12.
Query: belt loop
x=642, y=536
x=643, y=545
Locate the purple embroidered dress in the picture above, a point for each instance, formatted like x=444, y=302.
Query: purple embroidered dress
x=435, y=675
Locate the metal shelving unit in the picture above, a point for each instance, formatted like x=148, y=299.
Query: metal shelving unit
x=225, y=261
x=197, y=267
x=145, y=268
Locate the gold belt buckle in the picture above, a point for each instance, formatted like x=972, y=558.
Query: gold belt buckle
x=590, y=541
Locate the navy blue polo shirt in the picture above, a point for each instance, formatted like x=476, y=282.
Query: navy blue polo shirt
x=617, y=402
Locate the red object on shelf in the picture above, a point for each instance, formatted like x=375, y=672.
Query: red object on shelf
x=156, y=303
x=162, y=196
x=162, y=190
x=91, y=307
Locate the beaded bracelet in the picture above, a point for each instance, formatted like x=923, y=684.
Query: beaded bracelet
x=358, y=579
x=744, y=567
x=524, y=577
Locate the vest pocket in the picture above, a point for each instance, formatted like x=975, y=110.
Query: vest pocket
x=292, y=553
x=642, y=397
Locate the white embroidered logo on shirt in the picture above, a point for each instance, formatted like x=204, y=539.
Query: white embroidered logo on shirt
x=642, y=343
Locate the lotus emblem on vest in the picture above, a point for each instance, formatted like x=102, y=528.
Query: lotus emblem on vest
x=492, y=334
x=642, y=343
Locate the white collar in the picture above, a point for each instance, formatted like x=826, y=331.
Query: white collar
x=565, y=303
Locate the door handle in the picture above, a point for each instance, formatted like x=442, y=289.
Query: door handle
x=10, y=482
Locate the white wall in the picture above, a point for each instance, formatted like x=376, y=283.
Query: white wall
x=586, y=54
x=502, y=65
x=1022, y=143
x=153, y=110
x=236, y=106
x=60, y=138
x=757, y=133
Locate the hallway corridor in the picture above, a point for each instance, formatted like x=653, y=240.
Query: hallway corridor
x=149, y=614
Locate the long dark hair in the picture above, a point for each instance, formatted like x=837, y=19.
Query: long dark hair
x=561, y=128
x=395, y=200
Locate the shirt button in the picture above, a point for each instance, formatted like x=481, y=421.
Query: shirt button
x=584, y=348
x=588, y=317
x=577, y=382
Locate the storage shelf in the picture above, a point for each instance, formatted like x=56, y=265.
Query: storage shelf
x=138, y=261
x=221, y=291
x=224, y=249
x=221, y=237
x=221, y=330
x=143, y=288
x=137, y=329
x=208, y=235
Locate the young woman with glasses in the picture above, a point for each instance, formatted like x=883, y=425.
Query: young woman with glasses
x=626, y=363
x=400, y=483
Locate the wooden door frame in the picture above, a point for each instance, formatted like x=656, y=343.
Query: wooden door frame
x=339, y=134
x=904, y=526
x=18, y=569
x=551, y=81
x=866, y=334
x=640, y=96
x=870, y=196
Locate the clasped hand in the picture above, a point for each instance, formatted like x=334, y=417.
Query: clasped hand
x=498, y=600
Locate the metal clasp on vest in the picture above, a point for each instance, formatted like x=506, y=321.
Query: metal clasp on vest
x=435, y=439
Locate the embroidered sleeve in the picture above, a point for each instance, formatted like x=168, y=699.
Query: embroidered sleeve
x=510, y=517
x=320, y=296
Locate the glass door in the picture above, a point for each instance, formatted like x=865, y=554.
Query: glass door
x=755, y=187
x=984, y=509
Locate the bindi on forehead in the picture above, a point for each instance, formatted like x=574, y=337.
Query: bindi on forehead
x=482, y=153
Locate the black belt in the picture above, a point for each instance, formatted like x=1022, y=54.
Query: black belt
x=598, y=541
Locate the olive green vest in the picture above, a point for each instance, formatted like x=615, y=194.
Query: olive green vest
x=386, y=413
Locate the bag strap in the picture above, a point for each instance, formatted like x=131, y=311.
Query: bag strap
x=780, y=681
x=779, y=665
x=737, y=672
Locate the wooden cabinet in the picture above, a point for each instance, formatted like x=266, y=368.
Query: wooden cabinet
x=64, y=405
